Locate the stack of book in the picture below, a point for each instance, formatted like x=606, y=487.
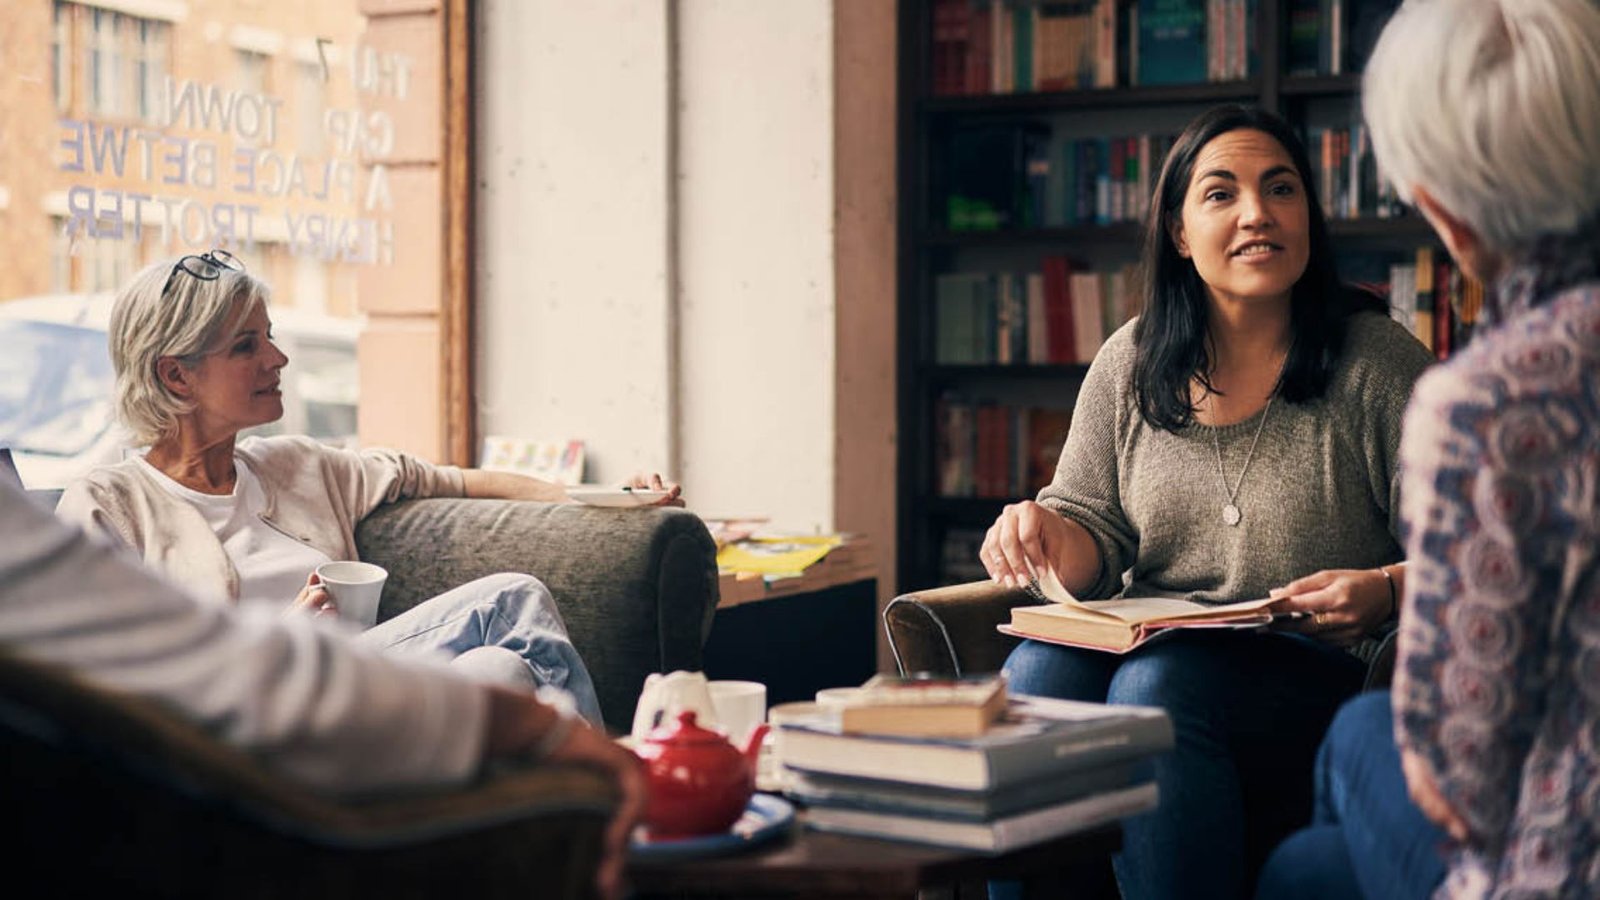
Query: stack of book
x=957, y=763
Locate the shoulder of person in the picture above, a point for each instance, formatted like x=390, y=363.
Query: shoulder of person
x=280, y=449
x=1378, y=351
x=1116, y=356
x=102, y=483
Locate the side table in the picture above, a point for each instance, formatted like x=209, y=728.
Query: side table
x=799, y=635
x=824, y=865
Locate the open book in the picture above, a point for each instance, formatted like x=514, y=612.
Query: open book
x=1118, y=626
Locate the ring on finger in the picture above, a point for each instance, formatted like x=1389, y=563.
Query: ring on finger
x=1318, y=618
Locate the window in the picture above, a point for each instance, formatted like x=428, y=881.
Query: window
x=61, y=56
x=106, y=60
x=310, y=106
x=60, y=256
x=252, y=71
x=150, y=69
x=122, y=173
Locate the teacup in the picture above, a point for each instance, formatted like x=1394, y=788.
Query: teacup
x=355, y=588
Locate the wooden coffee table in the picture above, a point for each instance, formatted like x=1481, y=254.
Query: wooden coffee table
x=819, y=864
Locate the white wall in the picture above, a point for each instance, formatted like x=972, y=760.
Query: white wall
x=756, y=258
x=572, y=215
x=576, y=250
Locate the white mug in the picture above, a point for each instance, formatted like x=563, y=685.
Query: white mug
x=741, y=706
x=664, y=696
x=355, y=588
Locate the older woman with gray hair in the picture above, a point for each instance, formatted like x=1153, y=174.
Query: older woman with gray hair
x=249, y=521
x=1486, y=115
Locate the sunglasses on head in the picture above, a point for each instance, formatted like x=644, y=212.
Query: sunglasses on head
x=207, y=266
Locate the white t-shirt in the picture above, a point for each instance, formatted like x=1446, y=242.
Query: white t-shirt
x=272, y=566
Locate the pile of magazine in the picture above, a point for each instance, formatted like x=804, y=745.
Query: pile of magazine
x=945, y=762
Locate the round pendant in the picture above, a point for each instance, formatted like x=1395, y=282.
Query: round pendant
x=1231, y=515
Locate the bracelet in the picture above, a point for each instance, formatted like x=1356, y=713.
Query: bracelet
x=1394, y=604
x=555, y=735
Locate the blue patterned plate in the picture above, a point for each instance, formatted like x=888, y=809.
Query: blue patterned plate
x=764, y=818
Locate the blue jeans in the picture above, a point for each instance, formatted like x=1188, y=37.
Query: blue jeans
x=502, y=628
x=1367, y=838
x=1248, y=711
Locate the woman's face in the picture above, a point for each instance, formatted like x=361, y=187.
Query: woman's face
x=1245, y=221
x=235, y=386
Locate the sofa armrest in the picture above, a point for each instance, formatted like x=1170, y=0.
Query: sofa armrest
x=951, y=630
x=636, y=587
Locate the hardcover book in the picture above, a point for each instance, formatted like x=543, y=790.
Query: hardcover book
x=880, y=795
x=1172, y=42
x=1038, y=738
x=998, y=836
x=953, y=707
x=1118, y=626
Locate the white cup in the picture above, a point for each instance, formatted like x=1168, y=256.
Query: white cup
x=355, y=588
x=741, y=706
x=665, y=696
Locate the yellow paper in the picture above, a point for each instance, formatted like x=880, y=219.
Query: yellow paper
x=776, y=556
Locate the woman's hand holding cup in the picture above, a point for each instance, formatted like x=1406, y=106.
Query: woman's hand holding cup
x=314, y=598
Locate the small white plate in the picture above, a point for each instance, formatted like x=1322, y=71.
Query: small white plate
x=610, y=496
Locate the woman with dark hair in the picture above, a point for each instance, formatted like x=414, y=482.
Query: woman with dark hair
x=1237, y=440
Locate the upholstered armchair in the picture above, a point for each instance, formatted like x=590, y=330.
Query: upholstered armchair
x=951, y=631
x=113, y=795
x=636, y=587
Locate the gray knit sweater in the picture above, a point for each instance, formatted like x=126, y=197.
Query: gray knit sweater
x=1320, y=492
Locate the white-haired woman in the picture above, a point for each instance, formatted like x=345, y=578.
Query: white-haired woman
x=1486, y=115
x=248, y=521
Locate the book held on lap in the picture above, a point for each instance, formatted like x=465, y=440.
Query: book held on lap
x=1118, y=626
x=997, y=836
x=1038, y=737
x=953, y=707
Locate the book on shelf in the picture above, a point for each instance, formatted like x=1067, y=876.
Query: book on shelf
x=995, y=836
x=994, y=450
x=1038, y=737
x=882, y=795
x=1172, y=42
x=930, y=707
x=1120, y=625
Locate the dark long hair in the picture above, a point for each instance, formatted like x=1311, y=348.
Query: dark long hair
x=1170, y=337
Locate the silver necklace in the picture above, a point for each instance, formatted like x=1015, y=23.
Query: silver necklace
x=1230, y=509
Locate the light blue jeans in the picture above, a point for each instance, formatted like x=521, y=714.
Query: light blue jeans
x=501, y=628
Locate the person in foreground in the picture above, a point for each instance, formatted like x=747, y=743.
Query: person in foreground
x=1493, y=726
x=1237, y=439
x=378, y=723
x=248, y=521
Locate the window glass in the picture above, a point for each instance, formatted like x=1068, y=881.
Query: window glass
x=142, y=130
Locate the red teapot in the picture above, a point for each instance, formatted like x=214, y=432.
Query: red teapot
x=698, y=782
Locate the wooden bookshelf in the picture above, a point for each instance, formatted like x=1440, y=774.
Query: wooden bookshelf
x=929, y=248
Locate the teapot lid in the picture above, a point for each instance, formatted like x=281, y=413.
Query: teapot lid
x=686, y=731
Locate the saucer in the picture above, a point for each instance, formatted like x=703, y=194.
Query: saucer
x=765, y=818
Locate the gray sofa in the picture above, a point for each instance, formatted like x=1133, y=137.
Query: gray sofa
x=636, y=587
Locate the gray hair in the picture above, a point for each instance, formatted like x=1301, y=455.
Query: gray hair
x=1493, y=107
x=193, y=317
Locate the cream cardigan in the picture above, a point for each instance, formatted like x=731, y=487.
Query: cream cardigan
x=315, y=493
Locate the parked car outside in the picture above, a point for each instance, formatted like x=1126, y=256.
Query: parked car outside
x=56, y=384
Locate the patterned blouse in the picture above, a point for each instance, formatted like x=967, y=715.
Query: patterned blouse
x=1498, y=682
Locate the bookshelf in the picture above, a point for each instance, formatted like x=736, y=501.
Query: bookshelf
x=973, y=255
